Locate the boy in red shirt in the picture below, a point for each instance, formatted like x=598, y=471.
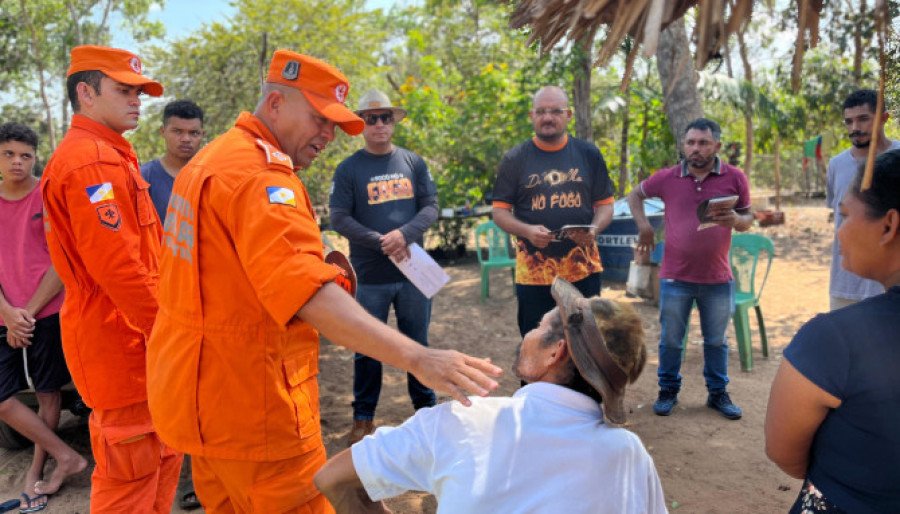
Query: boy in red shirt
x=30, y=297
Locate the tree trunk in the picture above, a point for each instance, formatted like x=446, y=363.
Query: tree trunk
x=643, y=173
x=679, y=80
x=623, y=150
x=777, y=171
x=858, y=42
x=581, y=87
x=748, y=106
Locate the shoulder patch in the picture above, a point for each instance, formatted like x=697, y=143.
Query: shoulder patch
x=100, y=192
x=109, y=216
x=275, y=156
x=281, y=195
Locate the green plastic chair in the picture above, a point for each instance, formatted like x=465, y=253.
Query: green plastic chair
x=492, y=247
x=745, y=261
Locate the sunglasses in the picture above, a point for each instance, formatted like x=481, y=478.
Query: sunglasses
x=386, y=118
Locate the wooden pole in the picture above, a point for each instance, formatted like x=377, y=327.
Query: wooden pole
x=880, y=24
x=777, y=171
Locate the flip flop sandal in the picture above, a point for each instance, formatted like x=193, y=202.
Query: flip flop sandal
x=32, y=502
x=189, y=501
x=9, y=505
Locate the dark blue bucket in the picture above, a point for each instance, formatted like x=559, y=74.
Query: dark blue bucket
x=617, y=242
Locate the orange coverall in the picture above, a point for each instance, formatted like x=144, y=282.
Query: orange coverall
x=103, y=234
x=231, y=370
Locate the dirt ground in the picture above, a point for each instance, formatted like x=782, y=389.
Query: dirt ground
x=707, y=464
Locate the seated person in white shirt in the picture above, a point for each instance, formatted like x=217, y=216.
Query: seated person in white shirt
x=547, y=449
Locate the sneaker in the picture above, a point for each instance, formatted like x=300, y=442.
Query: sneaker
x=722, y=402
x=666, y=402
x=361, y=428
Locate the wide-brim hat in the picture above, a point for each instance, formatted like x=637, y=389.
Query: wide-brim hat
x=606, y=362
x=117, y=64
x=323, y=85
x=375, y=100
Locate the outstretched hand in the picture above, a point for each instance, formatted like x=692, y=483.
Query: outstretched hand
x=456, y=374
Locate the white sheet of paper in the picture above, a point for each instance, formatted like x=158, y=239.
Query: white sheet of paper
x=423, y=271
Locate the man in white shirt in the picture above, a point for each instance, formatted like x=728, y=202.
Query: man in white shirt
x=547, y=449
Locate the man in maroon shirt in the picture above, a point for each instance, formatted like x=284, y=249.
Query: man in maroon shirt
x=695, y=267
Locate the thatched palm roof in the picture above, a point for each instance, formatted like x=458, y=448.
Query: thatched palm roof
x=553, y=20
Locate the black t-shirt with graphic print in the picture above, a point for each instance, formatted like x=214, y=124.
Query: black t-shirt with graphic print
x=382, y=193
x=553, y=189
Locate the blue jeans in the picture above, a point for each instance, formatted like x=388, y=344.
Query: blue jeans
x=716, y=305
x=413, y=313
x=535, y=301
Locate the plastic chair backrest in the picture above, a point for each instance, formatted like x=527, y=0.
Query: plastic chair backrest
x=495, y=239
x=745, y=256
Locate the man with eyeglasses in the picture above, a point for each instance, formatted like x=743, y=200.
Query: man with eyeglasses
x=382, y=200
x=542, y=185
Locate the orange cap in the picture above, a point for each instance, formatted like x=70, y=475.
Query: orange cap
x=322, y=84
x=119, y=65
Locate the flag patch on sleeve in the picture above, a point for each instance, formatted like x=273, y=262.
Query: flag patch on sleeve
x=281, y=195
x=100, y=192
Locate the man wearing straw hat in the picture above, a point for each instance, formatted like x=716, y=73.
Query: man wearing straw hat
x=552, y=447
x=382, y=200
x=232, y=364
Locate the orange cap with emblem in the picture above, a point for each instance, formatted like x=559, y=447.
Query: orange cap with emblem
x=117, y=64
x=323, y=85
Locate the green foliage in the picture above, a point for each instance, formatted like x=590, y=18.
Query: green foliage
x=34, y=52
x=892, y=76
x=466, y=81
x=650, y=140
x=467, y=84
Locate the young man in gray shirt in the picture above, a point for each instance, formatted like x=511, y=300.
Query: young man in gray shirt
x=846, y=288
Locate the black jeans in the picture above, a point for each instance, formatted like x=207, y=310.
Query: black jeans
x=413, y=311
x=535, y=301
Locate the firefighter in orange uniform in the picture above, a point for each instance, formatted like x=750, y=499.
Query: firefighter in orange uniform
x=103, y=235
x=233, y=359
